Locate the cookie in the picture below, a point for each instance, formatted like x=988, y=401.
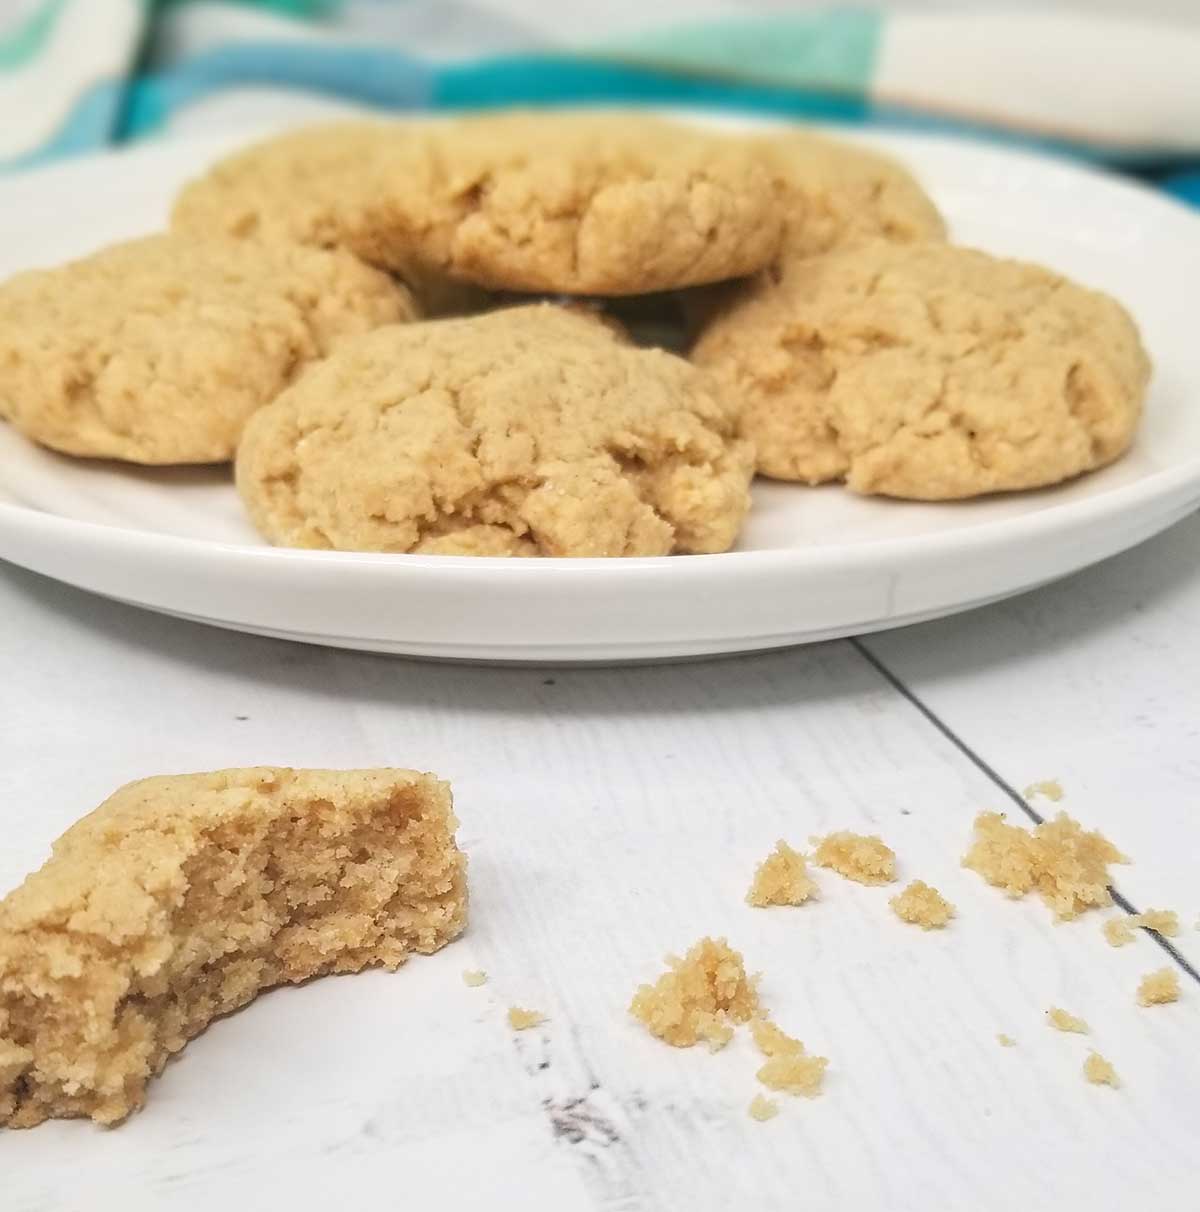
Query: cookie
x=529, y=431
x=326, y=186
x=928, y=371
x=157, y=351
x=320, y=186
x=837, y=195
x=182, y=898
x=589, y=203
x=571, y=203
x=833, y=195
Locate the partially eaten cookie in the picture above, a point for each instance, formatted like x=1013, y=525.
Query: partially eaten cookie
x=181, y=898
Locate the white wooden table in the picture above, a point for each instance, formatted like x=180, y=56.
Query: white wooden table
x=613, y=815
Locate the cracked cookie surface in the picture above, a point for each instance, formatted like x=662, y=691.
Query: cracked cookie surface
x=320, y=185
x=328, y=186
x=530, y=431
x=579, y=203
x=928, y=371
x=833, y=195
x=565, y=202
x=838, y=195
x=156, y=351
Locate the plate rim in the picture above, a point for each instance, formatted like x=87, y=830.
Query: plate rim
x=1164, y=485
x=1160, y=486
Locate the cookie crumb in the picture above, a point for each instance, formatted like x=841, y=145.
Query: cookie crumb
x=772, y=1040
x=922, y=906
x=1064, y=863
x=474, y=977
x=520, y=1019
x=1100, y=1072
x=781, y=879
x=788, y=1068
x=1005, y=1041
x=1050, y=789
x=698, y=997
x=1060, y=1020
x=1119, y=930
x=1161, y=921
x=860, y=857
x=1158, y=987
x=763, y=1108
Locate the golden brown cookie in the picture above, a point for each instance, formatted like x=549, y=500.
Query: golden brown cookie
x=156, y=351
x=530, y=431
x=836, y=195
x=573, y=203
x=588, y=203
x=181, y=898
x=833, y=195
x=320, y=185
x=327, y=186
x=928, y=371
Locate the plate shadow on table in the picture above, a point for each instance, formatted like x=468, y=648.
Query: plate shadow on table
x=1107, y=597
x=782, y=677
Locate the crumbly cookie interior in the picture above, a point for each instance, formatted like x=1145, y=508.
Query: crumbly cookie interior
x=181, y=899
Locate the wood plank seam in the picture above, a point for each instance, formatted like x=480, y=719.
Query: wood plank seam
x=1119, y=898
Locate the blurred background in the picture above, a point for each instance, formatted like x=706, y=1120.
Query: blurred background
x=1108, y=80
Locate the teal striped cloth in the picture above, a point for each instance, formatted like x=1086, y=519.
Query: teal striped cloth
x=79, y=75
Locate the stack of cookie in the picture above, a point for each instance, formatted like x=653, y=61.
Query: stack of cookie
x=406, y=336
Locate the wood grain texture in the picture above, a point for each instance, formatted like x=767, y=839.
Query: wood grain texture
x=1094, y=681
x=610, y=816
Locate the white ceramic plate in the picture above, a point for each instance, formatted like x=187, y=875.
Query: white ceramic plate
x=812, y=563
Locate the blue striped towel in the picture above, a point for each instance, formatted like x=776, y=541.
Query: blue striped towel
x=78, y=75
